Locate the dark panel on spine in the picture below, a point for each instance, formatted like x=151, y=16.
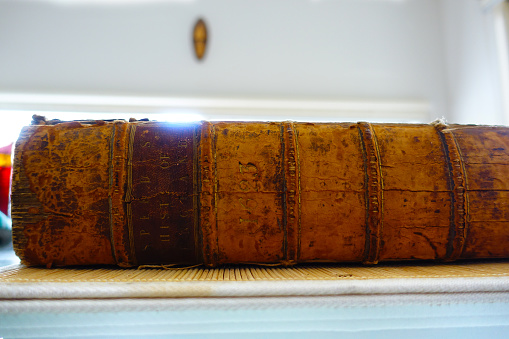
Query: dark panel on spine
x=162, y=189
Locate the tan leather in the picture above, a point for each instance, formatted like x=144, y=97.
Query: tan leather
x=256, y=192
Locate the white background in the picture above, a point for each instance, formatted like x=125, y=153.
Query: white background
x=423, y=59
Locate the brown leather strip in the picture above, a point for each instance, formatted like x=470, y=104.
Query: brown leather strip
x=249, y=192
x=110, y=193
x=439, y=127
x=459, y=201
x=198, y=241
x=374, y=192
x=207, y=183
x=129, y=192
x=283, y=191
x=292, y=193
x=463, y=204
x=163, y=187
x=215, y=237
x=299, y=200
x=118, y=175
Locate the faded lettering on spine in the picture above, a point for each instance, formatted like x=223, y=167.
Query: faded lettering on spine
x=99, y=192
x=162, y=194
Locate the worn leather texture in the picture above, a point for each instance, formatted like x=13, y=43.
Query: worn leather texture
x=280, y=193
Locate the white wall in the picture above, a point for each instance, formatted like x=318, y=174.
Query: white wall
x=381, y=50
x=426, y=58
x=474, y=88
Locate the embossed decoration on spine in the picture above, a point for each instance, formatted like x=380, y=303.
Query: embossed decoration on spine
x=198, y=239
x=206, y=192
x=374, y=192
x=292, y=195
x=299, y=190
x=215, y=237
x=119, y=234
x=110, y=188
x=129, y=192
x=163, y=188
x=459, y=201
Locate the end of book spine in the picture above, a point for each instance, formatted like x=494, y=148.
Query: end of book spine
x=61, y=194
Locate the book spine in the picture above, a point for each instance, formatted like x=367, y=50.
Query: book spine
x=270, y=193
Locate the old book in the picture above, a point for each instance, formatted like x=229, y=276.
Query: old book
x=140, y=192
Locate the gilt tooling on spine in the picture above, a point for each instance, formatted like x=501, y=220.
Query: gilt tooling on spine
x=135, y=193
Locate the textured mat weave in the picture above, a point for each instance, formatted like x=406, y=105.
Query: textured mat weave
x=19, y=273
x=28, y=283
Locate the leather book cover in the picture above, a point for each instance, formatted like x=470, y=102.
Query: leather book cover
x=152, y=193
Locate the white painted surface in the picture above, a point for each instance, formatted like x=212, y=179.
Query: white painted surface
x=474, y=88
x=438, y=53
x=501, y=18
x=340, y=50
x=124, y=107
x=392, y=316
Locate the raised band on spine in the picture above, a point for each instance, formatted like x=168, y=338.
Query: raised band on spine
x=207, y=198
x=198, y=237
x=459, y=201
x=110, y=189
x=374, y=192
x=118, y=181
x=299, y=192
x=292, y=210
x=129, y=192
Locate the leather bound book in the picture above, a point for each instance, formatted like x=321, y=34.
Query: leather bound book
x=212, y=193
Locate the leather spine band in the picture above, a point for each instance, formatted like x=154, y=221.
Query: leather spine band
x=292, y=201
x=459, y=198
x=119, y=230
x=374, y=192
x=129, y=193
x=207, y=190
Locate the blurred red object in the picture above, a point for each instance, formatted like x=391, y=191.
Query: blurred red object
x=5, y=177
